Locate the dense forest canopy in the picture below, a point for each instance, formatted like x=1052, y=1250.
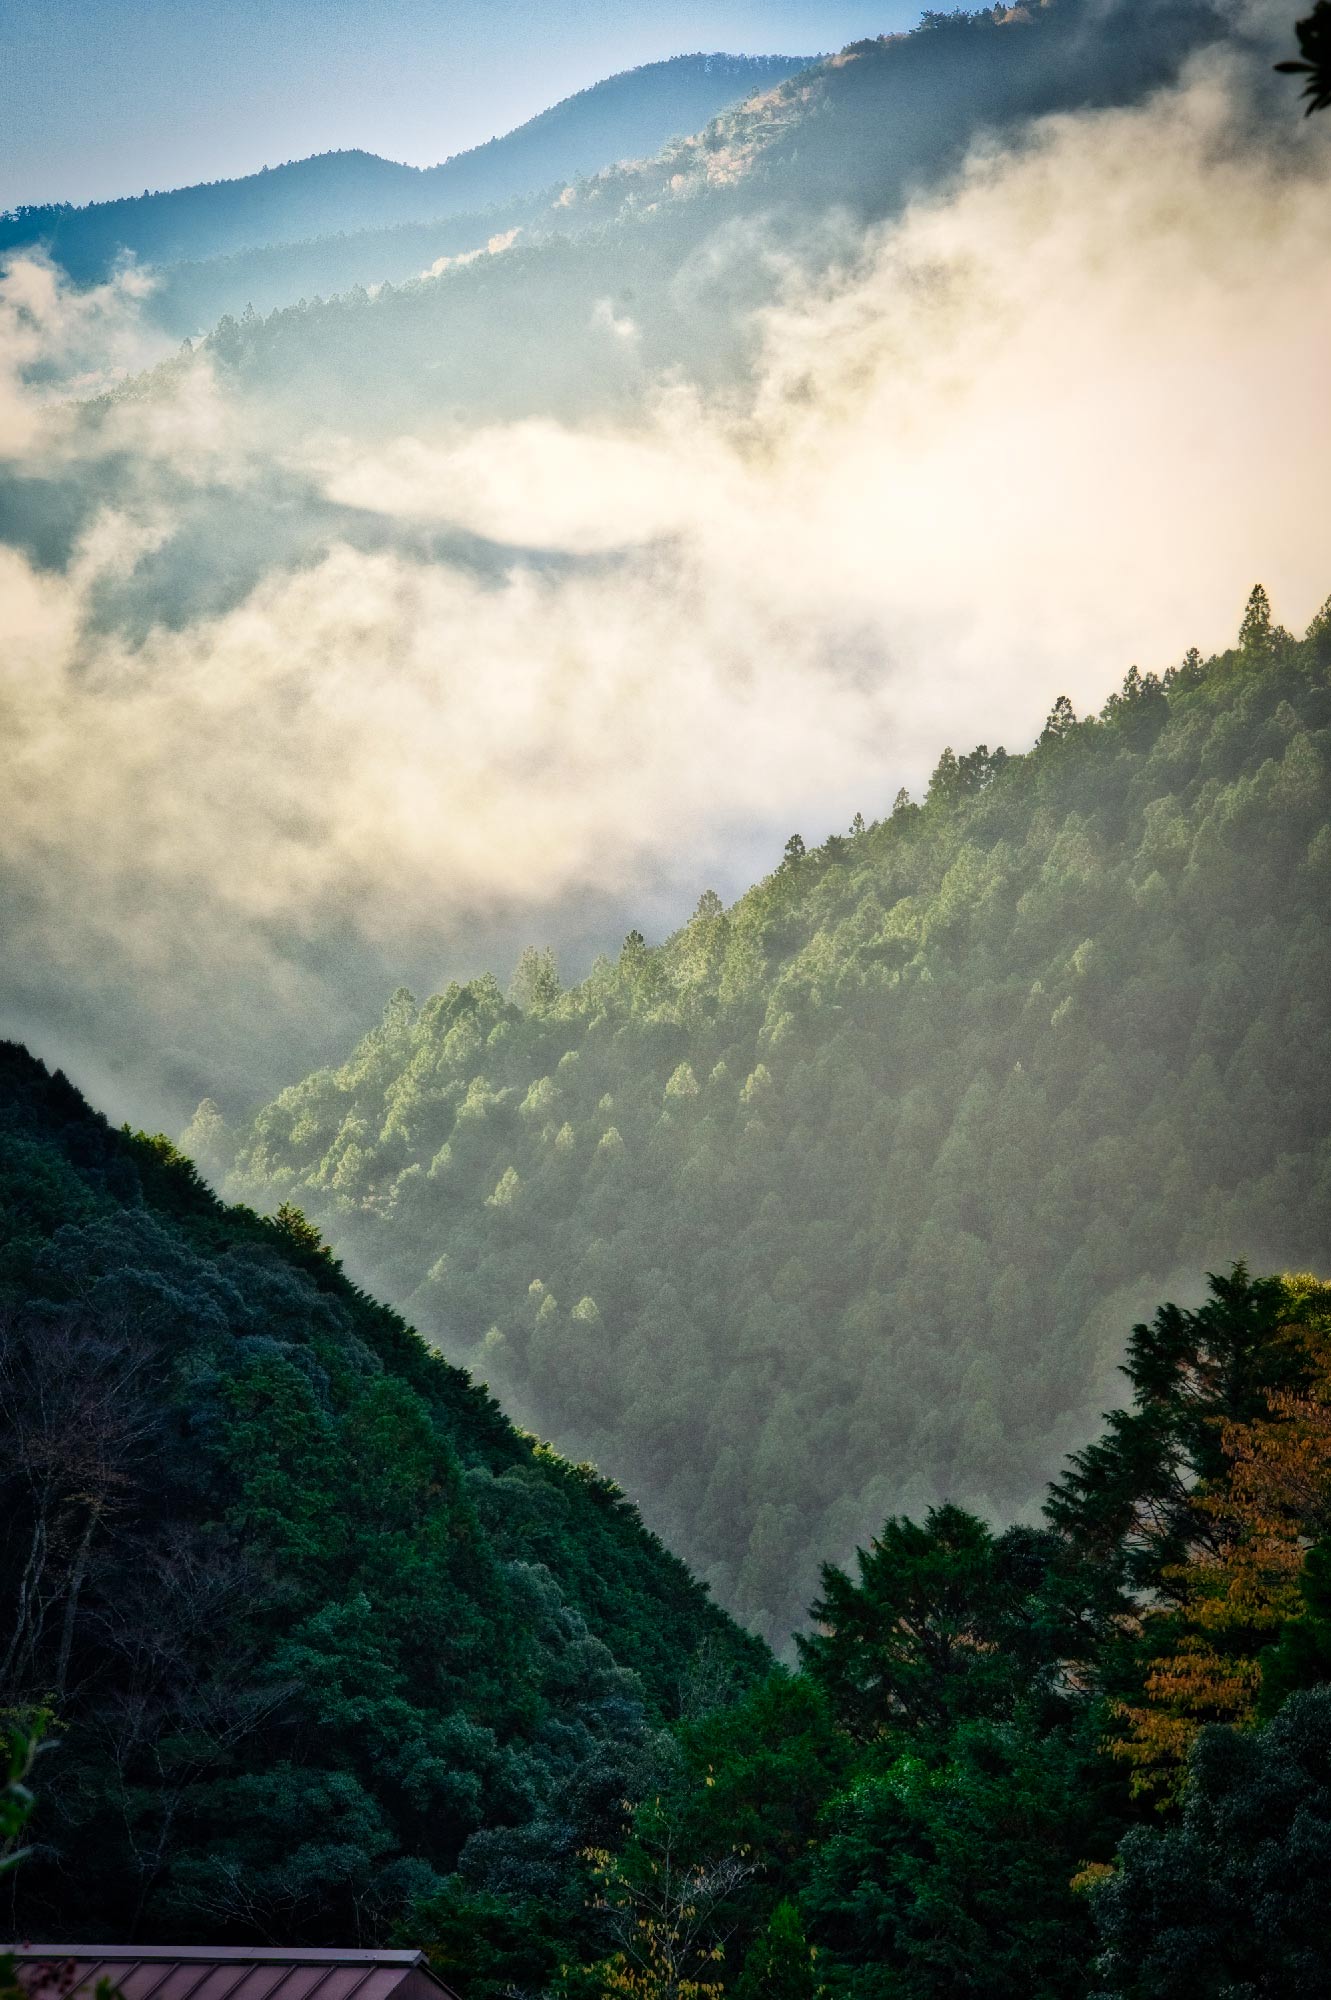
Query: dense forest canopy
x=325, y=1650
x=836, y=1202
x=312, y=1625
x=1088, y=1756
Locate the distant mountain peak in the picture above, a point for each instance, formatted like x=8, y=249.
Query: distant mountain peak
x=627, y=116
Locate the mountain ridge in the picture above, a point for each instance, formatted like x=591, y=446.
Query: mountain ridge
x=632, y=112
x=849, y=141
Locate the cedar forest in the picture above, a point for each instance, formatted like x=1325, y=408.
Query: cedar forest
x=1077, y=1750
x=890, y=1151
x=918, y=1265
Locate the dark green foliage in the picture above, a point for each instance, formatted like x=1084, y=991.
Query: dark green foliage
x=18, y=1752
x=484, y=1944
x=937, y=1880
x=837, y=1202
x=758, y=1775
x=1314, y=33
x=931, y=1807
x=1231, y=1903
x=979, y=1788
x=1301, y=1658
x=316, y=1626
x=780, y=1965
x=1124, y=1502
x=937, y=1627
x=329, y=1648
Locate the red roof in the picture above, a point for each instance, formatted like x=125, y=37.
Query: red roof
x=223, y=1972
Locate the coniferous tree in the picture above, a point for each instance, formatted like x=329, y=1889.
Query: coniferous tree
x=1255, y=632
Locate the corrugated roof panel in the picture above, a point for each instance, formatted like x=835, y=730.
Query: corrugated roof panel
x=298, y=1982
x=223, y=1983
x=229, y=1973
x=218, y=1983
x=141, y=1981
x=380, y=1982
x=261, y=1982
x=154, y=1980
x=219, y=1954
x=339, y=1982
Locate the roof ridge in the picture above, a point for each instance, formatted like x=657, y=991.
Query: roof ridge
x=220, y=1954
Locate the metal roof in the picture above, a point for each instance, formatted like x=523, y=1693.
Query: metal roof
x=227, y=1972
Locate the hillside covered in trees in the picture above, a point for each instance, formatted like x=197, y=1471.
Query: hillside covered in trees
x=1090, y=1756
x=299, y=1683
x=314, y=1631
x=815, y=1236
x=792, y=170
x=622, y=117
x=837, y=1201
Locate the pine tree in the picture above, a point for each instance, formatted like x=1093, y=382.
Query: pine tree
x=1256, y=633
x=535, y=985
x=1060, y=721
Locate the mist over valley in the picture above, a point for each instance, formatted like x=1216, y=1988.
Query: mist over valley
x=663, y=870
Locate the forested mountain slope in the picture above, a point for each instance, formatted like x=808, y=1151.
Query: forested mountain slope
x=688, y=244
x=312, y=1624
x=190, y=297
x=838, y=1200
x=622, y=117
x=1086, y=1756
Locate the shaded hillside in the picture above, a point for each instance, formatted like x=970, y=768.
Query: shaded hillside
x=314, y=1625
x=190, y=297
x=624, y=116
x=837, y=1200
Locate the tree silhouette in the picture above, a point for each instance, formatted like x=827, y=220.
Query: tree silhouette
x=1314, y=33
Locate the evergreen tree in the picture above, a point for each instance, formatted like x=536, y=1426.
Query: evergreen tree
x=1255, y=632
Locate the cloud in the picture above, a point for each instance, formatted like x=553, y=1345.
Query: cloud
x=57, y=342
x=493, y=247
x=1050, y=422
x=1078, y=401
x=394, y=739
x=618, y=325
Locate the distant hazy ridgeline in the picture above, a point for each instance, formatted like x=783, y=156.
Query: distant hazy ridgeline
x=623, y=117
x=687, y=245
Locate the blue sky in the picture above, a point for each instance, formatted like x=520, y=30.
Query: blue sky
x=106, y=97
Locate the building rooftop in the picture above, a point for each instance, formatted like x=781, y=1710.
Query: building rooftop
x=225, y=1972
